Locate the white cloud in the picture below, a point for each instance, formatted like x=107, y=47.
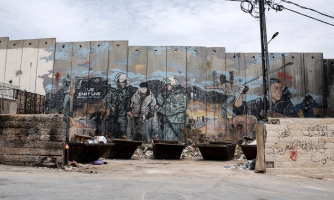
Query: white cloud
x=216, y=23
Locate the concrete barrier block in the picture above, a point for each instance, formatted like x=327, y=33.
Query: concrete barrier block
x=275, y=127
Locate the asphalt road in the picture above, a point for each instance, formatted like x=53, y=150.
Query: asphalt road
x=157, y=179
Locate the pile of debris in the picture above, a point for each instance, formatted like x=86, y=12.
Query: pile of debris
x=194, y=137
x=238, y=154
x=144, y=151
x=191, y=153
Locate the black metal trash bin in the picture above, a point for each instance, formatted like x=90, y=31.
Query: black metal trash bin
x=250, y=151
x=217, y=150
x=167, y=149
x=123, y=149
x=86, y=153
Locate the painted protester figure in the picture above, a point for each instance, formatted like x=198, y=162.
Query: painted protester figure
x=281, y=103
x=226, y=87
x=142, y=108
x=172, y=106
x=118, y=100
x=307, y=106
x=66, y=86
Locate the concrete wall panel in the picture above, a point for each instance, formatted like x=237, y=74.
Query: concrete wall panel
x=156, y=73
x=98, y=85
x=46, y=59
x=14, y=61
x=293, y=78
x=196, y=83
x=118, y=63
x=314, y=83
x=80, y=80
x=177, y=68
x=329, y=86
x=235, y=76
x=29, y=65
x=62, y=67
x=3, y=57
x=137, y=73
x=216, y=66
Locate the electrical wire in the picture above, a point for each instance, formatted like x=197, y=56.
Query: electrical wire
x=308, y=16
x=307, y=8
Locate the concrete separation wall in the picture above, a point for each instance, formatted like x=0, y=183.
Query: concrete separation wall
x=37, y=140
x=301, y=147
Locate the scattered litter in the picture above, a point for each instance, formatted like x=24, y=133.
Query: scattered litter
x=243, y=166
x=254, y=142
x=97, y=162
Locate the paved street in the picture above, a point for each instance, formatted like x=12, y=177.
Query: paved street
x=157, y=179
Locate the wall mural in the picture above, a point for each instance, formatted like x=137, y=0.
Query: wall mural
x=168, y=92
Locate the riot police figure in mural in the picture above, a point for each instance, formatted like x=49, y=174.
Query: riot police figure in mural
x=172, y=106
x=66, y=86
x=118, y=100
x=281, y=104
x=142, y=106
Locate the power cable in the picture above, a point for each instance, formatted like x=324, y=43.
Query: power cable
x=307, y=8
x=308, y=16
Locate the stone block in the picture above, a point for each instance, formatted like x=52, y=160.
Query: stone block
x=33, y=144
x=275, y=127
x=30, y=151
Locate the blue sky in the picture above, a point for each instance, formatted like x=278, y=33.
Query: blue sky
x=211, y=23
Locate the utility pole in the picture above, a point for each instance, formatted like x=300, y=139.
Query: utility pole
x=265, y=56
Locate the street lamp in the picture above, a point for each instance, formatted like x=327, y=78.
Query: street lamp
x=275, y=35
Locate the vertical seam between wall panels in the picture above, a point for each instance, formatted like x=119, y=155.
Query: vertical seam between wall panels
x=166, y=91
x=87, y=104
x=53, y=74
x=21, y=65
x=186, y=78
x=145, y=124
x=36, y=69
x=106, y=91
x=246, y=125
x=303, y=72
x=4, y=76
x=206, y=79
x=72, y=54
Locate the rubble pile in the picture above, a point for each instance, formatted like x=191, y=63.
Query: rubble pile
x=191, y=153
x=238, y=153
x=144, y=151
x=194, y=137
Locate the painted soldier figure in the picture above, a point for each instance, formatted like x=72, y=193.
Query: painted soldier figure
x=118, y=100
x=172, y=106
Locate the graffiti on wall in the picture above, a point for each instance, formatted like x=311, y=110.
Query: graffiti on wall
x=167, y=105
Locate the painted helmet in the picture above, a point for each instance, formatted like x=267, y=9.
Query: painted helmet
x=121, y=77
